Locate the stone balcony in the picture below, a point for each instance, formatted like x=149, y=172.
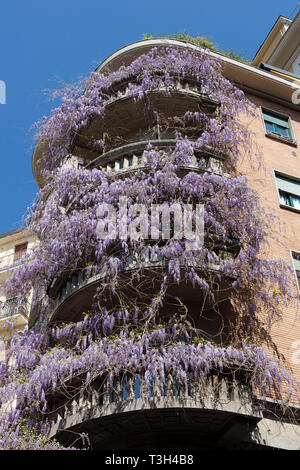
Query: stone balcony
x=9, y=311
x=73, y=293
x=125, y=118
x=127, y=54
x=218, y=411
x=130, y=157
x=8, y=263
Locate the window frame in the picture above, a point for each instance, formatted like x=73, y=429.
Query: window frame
x=274, y=135
x=290, y=177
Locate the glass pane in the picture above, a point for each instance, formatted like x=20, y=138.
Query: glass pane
x=295, y=201
x=269, y=126
x=283, y=131
x=284, y=198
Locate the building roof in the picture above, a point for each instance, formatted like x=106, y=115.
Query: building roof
x=279, y=22
x=12, y=232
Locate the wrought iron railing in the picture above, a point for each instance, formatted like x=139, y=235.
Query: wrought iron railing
x=8, y=308
x=9, y=262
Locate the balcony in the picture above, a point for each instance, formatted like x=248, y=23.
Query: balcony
x=218, y=411
x=9, y=311
x=130, y=157
x=7, y=265
x=188, y=83
x=8, y=262
x=125, y=55
x=73, y=293
x=125, y=118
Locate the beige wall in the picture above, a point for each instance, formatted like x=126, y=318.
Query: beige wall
x=7, y=266
x=7, y=250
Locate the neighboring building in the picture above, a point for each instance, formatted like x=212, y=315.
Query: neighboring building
x=271, y=83
x=280, y=51
x=13, y=245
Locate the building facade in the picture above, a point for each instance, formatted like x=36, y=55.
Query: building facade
x=223, y=411
x=13, y=246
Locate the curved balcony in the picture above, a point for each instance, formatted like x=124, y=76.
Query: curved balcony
x=188, y=83
x=130, y=156
x=216, y=411
x=125, y=55
x=125, y=119
x=73, y=294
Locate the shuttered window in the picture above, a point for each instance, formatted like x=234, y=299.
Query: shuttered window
x=277, y=125
x=289, y=191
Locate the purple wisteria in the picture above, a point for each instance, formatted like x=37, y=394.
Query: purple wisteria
x=129, y=327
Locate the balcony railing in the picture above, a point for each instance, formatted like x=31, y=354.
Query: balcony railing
x=131, y=156
x=60, y=289
x=9, y=262
x=65, y=287
x=187, y=84
x=213, y=393
x=122, y=106
x=9, y=308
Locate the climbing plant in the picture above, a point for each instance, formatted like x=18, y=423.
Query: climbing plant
x=136, y=323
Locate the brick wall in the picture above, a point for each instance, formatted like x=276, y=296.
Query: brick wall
x=284, y=158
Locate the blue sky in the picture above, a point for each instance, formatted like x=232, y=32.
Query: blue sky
x=42, y=42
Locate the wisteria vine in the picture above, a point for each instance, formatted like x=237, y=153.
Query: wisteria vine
x=136, y=322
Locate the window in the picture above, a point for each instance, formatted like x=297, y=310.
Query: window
x=289, y=191
x=276, y=125
x=296, y=262
x=20, y=250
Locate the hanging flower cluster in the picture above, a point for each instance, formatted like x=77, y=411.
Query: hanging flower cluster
x=129, y=327
x=160, y=69
x=66, y=222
